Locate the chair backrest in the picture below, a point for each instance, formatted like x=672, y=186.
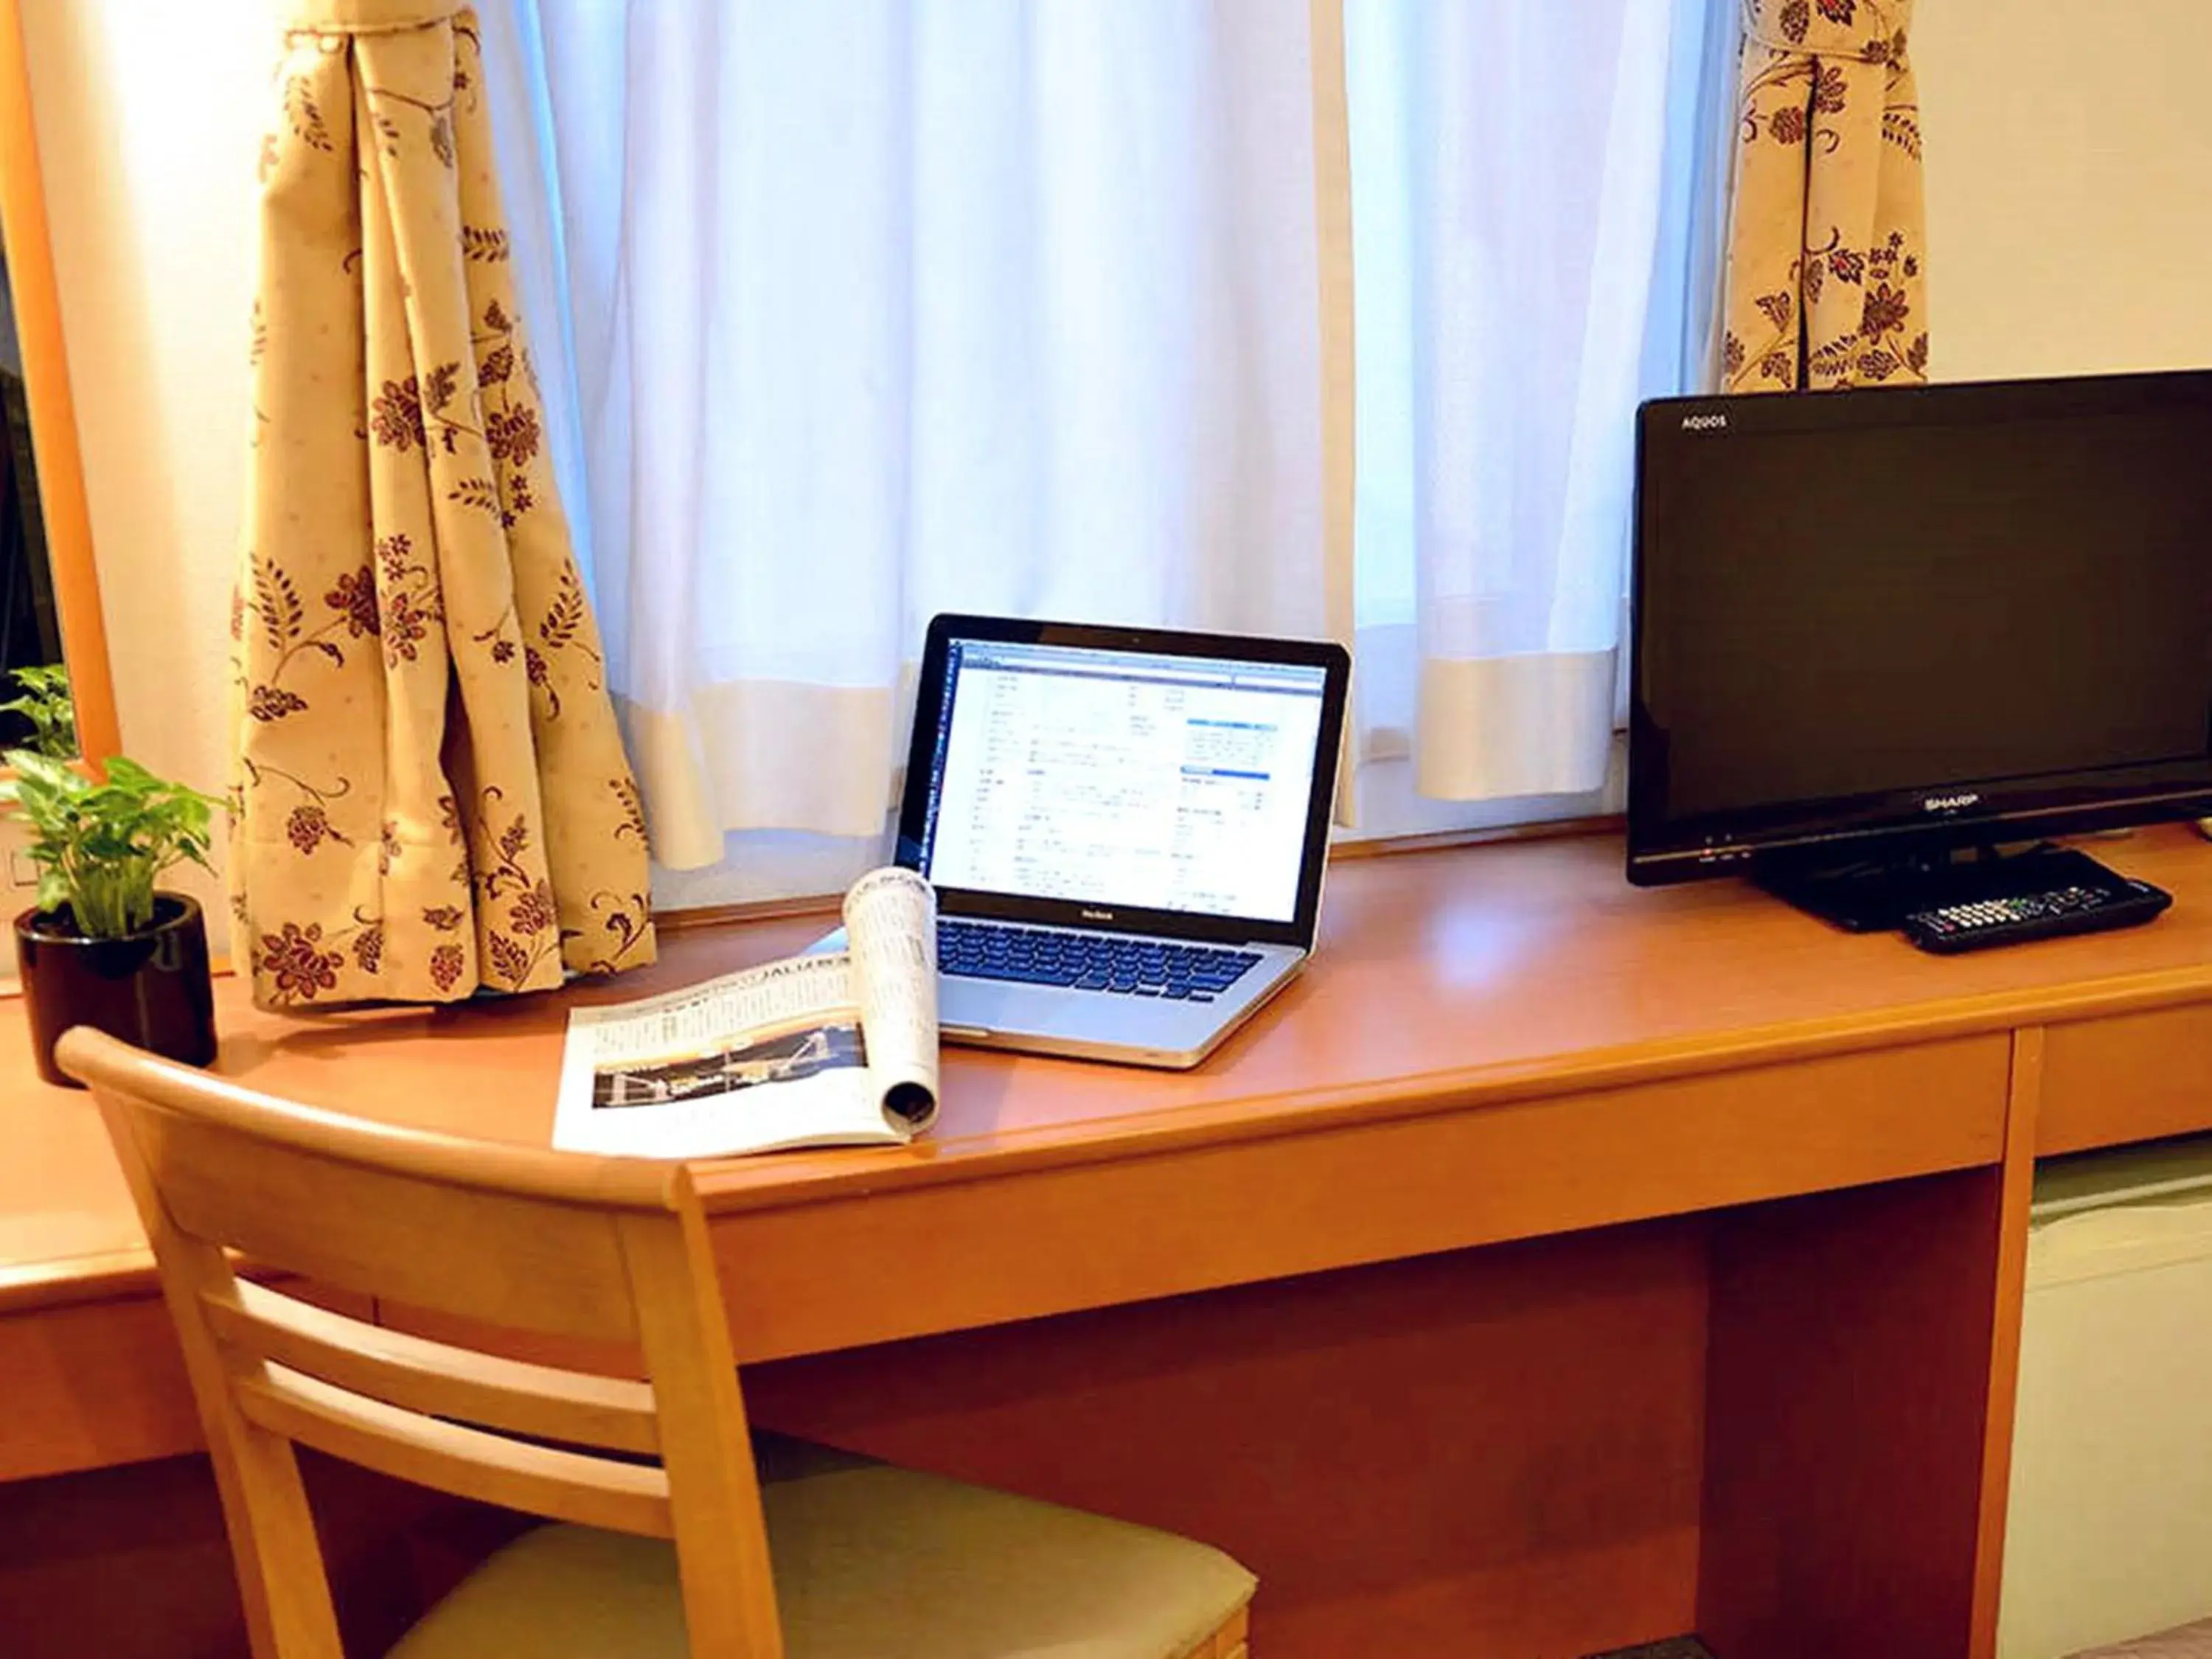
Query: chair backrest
x=552, y=1243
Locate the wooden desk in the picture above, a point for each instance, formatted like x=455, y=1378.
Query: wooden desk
x=1740, y=1356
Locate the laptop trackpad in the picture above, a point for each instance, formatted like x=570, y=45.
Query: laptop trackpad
x=981, y=1009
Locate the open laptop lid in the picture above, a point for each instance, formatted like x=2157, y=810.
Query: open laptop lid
x=1140, y=780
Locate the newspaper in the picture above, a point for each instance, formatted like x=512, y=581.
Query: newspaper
x=831, y=1049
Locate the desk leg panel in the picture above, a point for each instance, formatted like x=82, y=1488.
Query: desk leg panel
x=1850, y=1387
x=1495, y=1451
x=2016, y=1199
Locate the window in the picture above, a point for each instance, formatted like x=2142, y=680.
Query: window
x=879, y=309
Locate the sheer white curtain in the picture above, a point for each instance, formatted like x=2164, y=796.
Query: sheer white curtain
x=877, y=307
x=1534, y=248
x=880, y=308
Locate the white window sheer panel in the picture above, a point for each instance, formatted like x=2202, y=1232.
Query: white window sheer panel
x=1535, y=218
x=513, y=67
x=880, y=309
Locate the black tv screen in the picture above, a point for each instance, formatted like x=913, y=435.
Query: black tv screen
x=1919, y=617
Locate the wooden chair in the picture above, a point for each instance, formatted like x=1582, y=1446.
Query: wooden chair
x=867, y=1560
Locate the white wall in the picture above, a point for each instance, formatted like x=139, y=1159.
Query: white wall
x=2070, y=181
x=2069, y=184
x=150, y=116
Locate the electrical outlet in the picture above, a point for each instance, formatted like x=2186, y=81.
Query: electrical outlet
x=23, y=876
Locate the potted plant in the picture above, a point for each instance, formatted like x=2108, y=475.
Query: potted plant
x=102, y=947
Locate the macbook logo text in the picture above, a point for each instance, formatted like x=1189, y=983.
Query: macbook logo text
x=1098, y=915
x=1949, y=803
x=1705, y=423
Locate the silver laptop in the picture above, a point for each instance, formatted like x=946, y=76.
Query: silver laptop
x=1126, y=829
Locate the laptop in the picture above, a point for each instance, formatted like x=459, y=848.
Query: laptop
x=1126, y=829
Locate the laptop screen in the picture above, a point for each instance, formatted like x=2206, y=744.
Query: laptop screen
x=1123, y=779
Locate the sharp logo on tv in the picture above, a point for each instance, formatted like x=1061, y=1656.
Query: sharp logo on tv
x=1950, y=803
x=1705, y=423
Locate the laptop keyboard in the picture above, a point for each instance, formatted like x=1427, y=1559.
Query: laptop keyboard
x=1090, y=962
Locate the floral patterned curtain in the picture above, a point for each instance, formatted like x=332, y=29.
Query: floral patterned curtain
x=1827, y=264
x=431, y=795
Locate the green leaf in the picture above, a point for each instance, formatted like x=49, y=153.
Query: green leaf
x=45, y=704
x=57, y=774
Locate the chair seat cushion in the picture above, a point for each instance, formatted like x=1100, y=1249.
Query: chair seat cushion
x=871, y=1562
x=2190, y=1642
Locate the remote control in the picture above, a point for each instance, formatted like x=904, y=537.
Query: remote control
x=1980, y=923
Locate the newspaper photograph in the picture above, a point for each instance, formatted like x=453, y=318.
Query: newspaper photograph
x=835, y=1049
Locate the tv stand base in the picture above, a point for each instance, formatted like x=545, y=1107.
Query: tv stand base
x=1876, y=896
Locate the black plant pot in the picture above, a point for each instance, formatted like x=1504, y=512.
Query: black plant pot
x=151, y=989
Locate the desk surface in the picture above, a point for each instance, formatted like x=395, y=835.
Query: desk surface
x=1445, y=980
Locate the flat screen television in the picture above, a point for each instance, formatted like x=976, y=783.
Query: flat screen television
x=1873, y=628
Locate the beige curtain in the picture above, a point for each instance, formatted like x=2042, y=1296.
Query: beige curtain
x=1827, y=265
x=431, y=795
